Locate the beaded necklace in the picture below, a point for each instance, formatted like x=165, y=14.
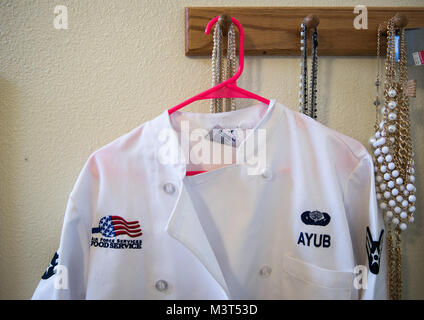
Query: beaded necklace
x=393, y=164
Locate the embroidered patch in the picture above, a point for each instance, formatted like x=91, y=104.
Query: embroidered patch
x=316, y=218
x=50, y=270
x=374, y=251
x=111, y=227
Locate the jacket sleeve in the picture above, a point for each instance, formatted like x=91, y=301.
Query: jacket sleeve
x=366, y=227
x=65, y=277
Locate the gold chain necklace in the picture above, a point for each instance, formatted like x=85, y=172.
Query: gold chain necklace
x=394, y=172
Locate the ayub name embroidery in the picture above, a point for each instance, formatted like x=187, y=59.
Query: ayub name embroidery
x=313, y=239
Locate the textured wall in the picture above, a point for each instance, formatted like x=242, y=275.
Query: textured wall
x=65, y=93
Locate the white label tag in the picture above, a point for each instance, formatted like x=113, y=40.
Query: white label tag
x=416, y=57
x=225, y=136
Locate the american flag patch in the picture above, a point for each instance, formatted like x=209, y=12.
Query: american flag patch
x=112, y=226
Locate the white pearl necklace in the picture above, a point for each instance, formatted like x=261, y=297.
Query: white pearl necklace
x=392, y=145
x=396, y=197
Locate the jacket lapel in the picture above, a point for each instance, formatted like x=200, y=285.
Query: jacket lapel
x=184, y=226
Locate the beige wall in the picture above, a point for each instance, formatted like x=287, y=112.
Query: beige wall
x=66, y=93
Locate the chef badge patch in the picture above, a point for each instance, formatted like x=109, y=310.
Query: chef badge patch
x=316, y=218
x=309, y=239
x=374, y=251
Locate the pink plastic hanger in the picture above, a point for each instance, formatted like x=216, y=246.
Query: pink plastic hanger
x=227, y=88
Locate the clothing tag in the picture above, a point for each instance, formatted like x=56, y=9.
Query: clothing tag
x=225, y=136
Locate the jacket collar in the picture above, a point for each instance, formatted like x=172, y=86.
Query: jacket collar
x=170, y=151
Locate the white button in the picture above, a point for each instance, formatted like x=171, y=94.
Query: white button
x=169, y=188
x=267, y=173
x=161, y=285
x=265, y=271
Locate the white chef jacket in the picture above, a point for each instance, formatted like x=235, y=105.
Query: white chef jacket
x=304, y=226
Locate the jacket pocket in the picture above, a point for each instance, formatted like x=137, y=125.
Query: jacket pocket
x=303, y=280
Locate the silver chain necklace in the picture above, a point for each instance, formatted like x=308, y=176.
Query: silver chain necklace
x=308, y=108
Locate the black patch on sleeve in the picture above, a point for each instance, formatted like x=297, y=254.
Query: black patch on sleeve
x=374, y=251
x=50, y=270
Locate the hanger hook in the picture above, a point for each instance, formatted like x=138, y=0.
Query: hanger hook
x=241, y=46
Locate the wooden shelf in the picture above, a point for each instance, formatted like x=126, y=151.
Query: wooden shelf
x=274, y=31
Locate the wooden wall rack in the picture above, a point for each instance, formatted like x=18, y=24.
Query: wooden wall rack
x=275, y=30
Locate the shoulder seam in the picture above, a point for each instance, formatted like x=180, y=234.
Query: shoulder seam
x=298, y=114
x=351, y=173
